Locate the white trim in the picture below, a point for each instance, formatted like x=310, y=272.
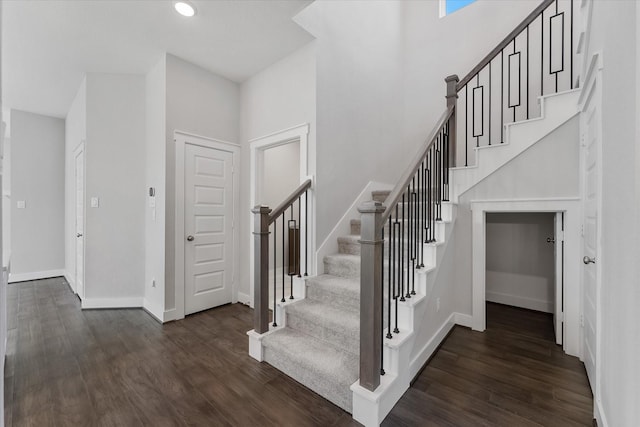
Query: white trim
x=599, y=414
x=431, y=346
x=81, y=147
x=92, y=303
x=67, y=277
x=36, y=275
x=154, y=310
x=343, y=226
x=169, y=315
x=244, y=299
x=518, y=301
x=181, y=139
x=296, y=134
x=204, y=138
x=572, y=289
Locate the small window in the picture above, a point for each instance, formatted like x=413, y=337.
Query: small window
x=447, y=7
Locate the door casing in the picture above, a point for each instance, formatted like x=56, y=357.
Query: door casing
x=181, y=139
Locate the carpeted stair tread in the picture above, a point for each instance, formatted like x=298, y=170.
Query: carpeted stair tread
x=343, y=265
x=339, y=326
x=349, y=244
x=336, y=290
x=327, y=370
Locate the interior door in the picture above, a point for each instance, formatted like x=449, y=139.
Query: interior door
x=79, y=181
x=558, y=249
x=591, y=139
x=208, y=228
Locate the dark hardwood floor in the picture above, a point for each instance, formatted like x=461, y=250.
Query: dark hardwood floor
x=67, y=367
x=512, y=375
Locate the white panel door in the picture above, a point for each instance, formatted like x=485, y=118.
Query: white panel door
x=558, y=248
x=591, y=139
x=79, y=201
x=208, y=228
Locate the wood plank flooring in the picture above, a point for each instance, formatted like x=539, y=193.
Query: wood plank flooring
x=67, y=367
x=513, y=374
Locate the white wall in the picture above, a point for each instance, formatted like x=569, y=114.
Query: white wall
x=75, y=133
x=200, y=103
x=520, y=263
x=380, y=81
x=155, y=177
x=549, y=169
x=115, y=173
x=614, y=25
x=279, y=97
x=280, y=174
x=3, y=284
x=37, y=238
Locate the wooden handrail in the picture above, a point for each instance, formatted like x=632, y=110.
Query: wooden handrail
x=289, y=200
x=513, y=34
x=398, y=190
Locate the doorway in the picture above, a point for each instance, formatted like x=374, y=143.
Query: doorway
x=79, y=218
x=279, y=164
x=524, y=260
x=570, y=259
x=206, y=236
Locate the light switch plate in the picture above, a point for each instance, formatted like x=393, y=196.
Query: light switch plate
x=21, y=204
x=95, y=202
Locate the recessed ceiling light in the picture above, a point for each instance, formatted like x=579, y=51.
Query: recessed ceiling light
x=184, y=8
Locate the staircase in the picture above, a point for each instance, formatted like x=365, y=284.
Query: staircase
x=318, y=345
x=360, y=332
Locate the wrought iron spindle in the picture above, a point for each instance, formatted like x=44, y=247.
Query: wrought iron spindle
x=275, y=270
x=382, y=302
x=390, y=282
x=306, y=234
x=396, y=231
x=298, y=269
x=283, y=255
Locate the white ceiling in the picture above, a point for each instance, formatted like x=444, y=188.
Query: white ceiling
x=47, y=46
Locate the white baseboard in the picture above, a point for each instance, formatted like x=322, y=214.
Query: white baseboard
x=463, y=319
x=518, y=301
x=36, y=275
x=431, y=346
x=91, y=303
x=169, y=315
x=245, y=299
x=154, y=310
x=70, y=281
x=599, y=413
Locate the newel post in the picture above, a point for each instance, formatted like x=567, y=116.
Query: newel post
x=370, y=293
x=261, y=269
x=452, y=100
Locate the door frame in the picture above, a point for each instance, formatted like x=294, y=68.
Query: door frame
x=181, y=140
x=81, y=147
x=571, y=207
x=257, y=147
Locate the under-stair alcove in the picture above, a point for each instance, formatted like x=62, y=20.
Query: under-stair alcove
x=520, y=260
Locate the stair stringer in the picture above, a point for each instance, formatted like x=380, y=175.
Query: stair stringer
x=404, y=353
x=556, y=109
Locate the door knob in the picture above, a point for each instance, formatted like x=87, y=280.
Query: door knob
x=79, y=235
x=588, y=260
x=190, y=238
x=551, y=240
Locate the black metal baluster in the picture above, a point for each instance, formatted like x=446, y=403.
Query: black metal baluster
x=430, y=197
x=390, y=246
x=283, y=254
x=275, y=270
x=466, y=124
x=402, y=250
x=410, y=243
x=298, y=239
x=489, y=106
x=416, y=235
x=423, y=200
x=438, y=180
x=542, y=53
x=396, y=231
x=382, y=302
x=571, y=46
x=551, y=41
x=445, y=176
x=519, y=86
x=473, y=107
x=306, y=225
x=528, y=71
x=502, y=96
